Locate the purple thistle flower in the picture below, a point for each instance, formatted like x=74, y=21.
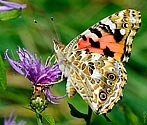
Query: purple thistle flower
x=10, y=5
x=11, y=121
x=40, y=75
x=31, y=67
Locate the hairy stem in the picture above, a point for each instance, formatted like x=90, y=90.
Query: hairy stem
x=39, y=119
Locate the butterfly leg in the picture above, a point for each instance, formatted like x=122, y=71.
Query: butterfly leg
x=60, y=80
x=49, y=60
x=48, y=64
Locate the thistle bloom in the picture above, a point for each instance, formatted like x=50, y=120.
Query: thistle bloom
x=10, y=5
x=40, y=75
x=12, y=121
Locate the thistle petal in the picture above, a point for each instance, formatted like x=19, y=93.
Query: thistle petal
x=51, y=97
x=12, y=120
x=10, y=5
x=15, y=65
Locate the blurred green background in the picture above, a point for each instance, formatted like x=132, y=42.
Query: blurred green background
x=71, y=17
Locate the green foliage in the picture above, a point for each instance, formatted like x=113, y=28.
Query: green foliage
x=48, y=118
x=11, y=14
x=3, y=80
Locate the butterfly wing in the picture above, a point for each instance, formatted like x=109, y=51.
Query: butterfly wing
x=92, y=62
x=111, y=36
x=98, y=79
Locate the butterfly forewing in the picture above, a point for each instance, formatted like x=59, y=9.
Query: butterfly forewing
x=111, y=36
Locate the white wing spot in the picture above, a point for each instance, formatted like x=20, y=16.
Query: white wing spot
x=134, y=20
x=96, y=74
x=122, y=31
x=109, y=22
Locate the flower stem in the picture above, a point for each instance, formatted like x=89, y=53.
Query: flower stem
x=89, y=116
x=39, y=119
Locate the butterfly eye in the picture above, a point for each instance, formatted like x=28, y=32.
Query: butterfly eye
x=111, y=76
x=103, y=96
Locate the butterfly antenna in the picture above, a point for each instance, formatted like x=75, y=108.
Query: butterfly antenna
x=47, y=33
x=54, y=31
x=35, y=21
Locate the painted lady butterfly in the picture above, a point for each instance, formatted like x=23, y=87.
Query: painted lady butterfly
x=93, y=61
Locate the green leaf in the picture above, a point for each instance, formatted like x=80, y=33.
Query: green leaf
x=11, y=14
x=130, y=116
x=74, y=112
x=106, y=117
x=48, y=118
x=3, y=80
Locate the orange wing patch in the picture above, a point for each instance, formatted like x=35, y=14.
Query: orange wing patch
x=106, y=45
x=112, y=36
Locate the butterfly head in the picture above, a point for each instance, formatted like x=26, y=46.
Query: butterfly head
x=58, y=47
x=59, y=50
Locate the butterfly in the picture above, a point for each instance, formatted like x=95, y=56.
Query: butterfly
x=93, y=62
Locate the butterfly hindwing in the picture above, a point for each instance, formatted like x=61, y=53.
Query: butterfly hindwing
x=99, y=80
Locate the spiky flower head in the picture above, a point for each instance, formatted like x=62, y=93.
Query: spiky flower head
x=41, y=76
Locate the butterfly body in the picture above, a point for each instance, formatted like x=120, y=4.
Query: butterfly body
x=93, y=62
